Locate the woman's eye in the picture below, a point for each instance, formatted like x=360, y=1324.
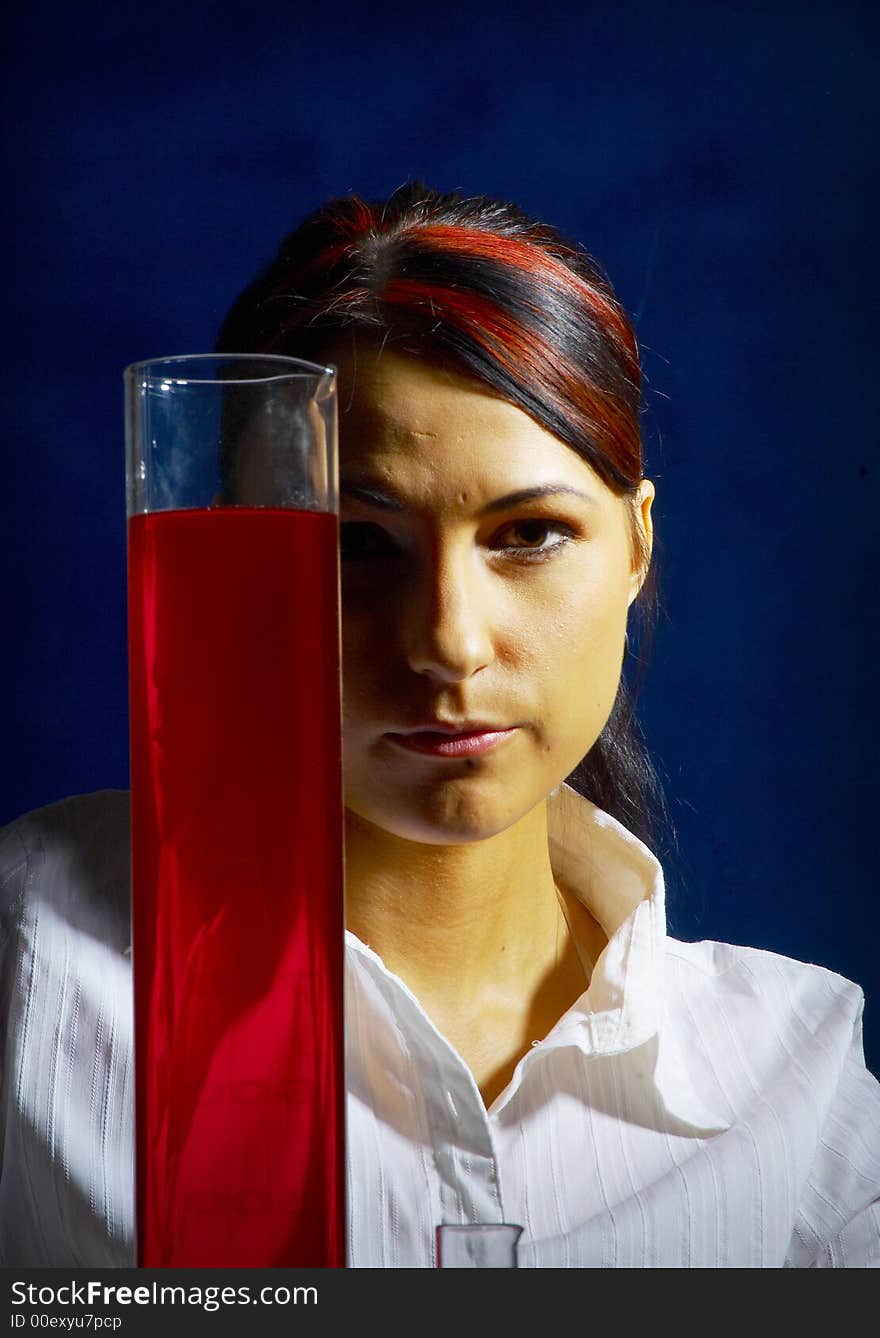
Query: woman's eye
x=359, y=540
x=523, y=540
x=534, y=538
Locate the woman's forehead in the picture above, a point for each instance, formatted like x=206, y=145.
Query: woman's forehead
x=398, y=388
x=402, y=416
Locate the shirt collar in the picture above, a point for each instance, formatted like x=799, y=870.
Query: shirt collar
x=620, y=881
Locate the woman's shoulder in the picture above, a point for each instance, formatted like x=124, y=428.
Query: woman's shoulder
x=66, y=1023
x=740, y=968
x=778, y=1044
x=72, y=855
x=780, y=1004
x=74, y=815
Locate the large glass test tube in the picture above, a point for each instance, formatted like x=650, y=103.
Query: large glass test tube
x=237, y=875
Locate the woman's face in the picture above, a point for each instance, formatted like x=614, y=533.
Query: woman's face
x=486, y=576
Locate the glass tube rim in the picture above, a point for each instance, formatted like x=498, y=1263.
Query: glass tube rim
x=296, y=369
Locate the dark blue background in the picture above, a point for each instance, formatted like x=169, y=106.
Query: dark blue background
x=717, y=158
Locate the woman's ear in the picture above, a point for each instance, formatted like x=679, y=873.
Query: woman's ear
x=643, y=534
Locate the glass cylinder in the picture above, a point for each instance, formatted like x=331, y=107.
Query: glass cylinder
x=478, y=1245
x=236, y=800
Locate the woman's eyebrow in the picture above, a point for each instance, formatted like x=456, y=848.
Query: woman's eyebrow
x=389, y=501
x=530, y=494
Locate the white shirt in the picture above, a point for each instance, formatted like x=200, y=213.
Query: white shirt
x=700, y=1105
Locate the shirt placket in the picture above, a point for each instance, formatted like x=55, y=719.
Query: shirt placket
x=458, y=1127
x=464, y=1152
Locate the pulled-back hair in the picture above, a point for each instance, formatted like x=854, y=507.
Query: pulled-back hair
x=476, y=282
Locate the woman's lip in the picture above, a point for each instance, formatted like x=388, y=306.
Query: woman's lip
x=452, y=745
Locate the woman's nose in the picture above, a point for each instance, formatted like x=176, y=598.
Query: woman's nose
x=448, y=626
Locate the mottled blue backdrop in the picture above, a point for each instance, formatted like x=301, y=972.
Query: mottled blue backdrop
x=717, y=158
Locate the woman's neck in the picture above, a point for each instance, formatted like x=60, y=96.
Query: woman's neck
x=477, y=931
x=449, y=917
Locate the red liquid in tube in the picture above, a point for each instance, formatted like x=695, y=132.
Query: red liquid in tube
x=237, y=888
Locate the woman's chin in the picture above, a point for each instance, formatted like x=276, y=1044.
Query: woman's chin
x=450, y=818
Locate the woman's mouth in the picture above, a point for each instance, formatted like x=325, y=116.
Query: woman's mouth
x=467, y=744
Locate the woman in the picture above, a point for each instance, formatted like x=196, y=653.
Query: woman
x=525, y=1044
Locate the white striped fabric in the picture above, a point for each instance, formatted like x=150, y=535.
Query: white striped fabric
x=700, y=1105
